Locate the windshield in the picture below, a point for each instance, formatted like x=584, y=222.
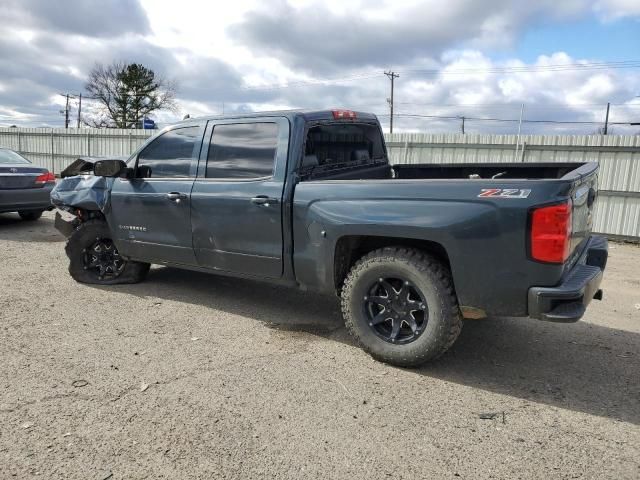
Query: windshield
x=11, y=157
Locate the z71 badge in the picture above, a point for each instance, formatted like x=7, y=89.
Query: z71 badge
x=504, y=193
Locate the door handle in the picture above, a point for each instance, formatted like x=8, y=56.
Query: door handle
x=176, y=196
x=263, y=200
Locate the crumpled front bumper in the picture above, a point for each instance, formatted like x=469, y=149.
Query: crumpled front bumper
x=65, y=227
x=568, y=301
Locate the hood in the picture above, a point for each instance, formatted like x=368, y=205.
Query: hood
x=82, y=165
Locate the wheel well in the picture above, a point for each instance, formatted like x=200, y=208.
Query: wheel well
x=351, y=248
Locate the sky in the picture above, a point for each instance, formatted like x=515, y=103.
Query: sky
x=482, y=60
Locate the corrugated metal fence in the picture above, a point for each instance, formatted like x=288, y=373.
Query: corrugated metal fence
x=618, y=208
x=55, y=148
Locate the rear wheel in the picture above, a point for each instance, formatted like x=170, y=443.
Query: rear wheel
x=30, y=215
x=400, y=305
x=94, y=258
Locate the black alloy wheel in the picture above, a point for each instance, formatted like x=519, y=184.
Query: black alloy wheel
x=396, y=310
x=103, y=258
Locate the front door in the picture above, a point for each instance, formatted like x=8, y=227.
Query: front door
x=151, y=213
x=236, y=202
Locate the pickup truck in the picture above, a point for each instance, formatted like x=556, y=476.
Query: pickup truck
x=310, y=200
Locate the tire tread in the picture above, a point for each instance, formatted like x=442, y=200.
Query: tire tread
x=422, y=262
x=134, y=272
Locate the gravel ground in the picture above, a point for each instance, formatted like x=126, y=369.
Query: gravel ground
x=188, y=375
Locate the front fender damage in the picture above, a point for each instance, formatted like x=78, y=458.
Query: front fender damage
x=86, y=193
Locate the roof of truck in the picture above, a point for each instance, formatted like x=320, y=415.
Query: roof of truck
x=307, y=114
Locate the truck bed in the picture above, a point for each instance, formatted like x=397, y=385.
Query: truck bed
x=482, y=222
x=453, y=171
x=512, y=171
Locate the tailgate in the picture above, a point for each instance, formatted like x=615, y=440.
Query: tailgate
x=584, y=191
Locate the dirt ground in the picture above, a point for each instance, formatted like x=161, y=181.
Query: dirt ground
x=188, y=375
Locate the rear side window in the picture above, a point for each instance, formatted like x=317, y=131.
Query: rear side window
x=242, y=150
x=9, y=157
x=171, y=155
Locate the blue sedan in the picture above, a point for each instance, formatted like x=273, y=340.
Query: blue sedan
x=24, y=188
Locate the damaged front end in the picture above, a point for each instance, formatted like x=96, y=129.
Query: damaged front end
x=81, y=195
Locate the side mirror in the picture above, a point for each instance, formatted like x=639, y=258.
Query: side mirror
x=110, y=168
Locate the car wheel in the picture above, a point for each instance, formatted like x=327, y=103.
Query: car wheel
x=400, y=305
x=30, y=215
x=94, y=258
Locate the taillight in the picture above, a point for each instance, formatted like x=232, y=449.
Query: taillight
x=45, y=178
x=551, y=233
x=340, y=114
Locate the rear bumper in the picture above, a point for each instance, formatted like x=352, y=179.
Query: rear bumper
x=26, y=199
x=568, y=301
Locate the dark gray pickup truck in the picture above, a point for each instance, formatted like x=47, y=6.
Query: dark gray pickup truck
x=309, y=199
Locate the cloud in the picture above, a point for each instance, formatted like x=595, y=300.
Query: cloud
x=397, y=33
x=610, y=10
x=579, y=96
x=48, y=61
x=44, y=53
x=94, y=18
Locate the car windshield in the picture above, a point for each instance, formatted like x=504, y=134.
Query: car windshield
x=11, y=157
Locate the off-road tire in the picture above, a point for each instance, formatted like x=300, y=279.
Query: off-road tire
x=431, y=277
x=82, y=238
x=30, y=215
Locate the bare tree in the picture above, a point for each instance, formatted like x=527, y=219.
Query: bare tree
x=126, y=93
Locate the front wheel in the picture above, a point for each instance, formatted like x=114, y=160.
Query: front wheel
x=400, y=305
x=94, y=258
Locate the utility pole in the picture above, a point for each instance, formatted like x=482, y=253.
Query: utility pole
x=392, y=76
x=66, y=113
x=79, y=109
x=66, y=110
x=606, y=120
x=515, y=158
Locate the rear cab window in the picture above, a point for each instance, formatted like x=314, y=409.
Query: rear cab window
x=332, y=147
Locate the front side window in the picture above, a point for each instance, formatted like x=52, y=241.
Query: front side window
x=242, y=150
x=171, y=155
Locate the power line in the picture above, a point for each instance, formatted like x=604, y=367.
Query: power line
x=458, y=71
x=306, y=83
x=558, y=105
x=504, y=120
x=531, y=68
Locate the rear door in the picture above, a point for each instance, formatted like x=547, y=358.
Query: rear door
x=236, y=203
x=150, y=214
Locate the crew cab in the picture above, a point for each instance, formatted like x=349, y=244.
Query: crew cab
x=310, y=200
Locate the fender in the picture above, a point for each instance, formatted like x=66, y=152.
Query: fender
x=454, y=225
